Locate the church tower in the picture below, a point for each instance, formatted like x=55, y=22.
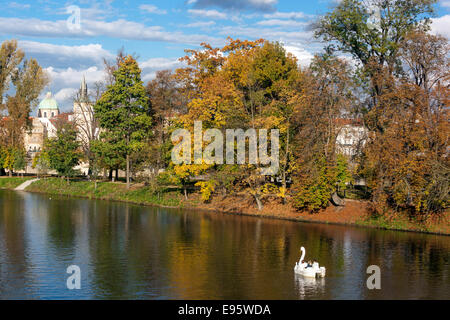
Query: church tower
x=83, y=93
x=83, y=114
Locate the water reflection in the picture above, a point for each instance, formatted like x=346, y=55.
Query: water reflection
x=127, y=251
x=309, y=286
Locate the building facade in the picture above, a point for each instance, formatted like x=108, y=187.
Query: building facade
x=47, y=120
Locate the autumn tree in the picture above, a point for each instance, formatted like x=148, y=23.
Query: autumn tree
x=28, y=79
x=325, y=96
x=245, y=85
x=10, y=58
x=406, y=71
x=406, y=157
x=166, y=104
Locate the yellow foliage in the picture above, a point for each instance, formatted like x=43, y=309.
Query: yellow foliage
x=206, y=189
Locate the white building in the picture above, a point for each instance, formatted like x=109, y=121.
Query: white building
x=351, y=137
x=48, y=116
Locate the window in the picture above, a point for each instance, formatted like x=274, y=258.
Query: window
x=53, y=114
x=45, y=114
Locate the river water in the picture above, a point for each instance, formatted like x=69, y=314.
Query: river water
x=127, y=251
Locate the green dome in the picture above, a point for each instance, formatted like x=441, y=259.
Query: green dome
x=48, y=102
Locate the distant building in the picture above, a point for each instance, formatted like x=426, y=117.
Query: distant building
x=351, y=137
x=34, y=139
x=49, y=117
x=41, y=127
x=83, y=116
x=48, y=108
x=350, y=140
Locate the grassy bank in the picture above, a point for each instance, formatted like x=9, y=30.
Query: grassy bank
x=353, y=213
x=13, y=182
x=138, y=194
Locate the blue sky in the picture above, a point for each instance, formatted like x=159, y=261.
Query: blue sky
x=157, y=31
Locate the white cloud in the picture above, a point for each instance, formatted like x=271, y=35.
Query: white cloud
x=159, y=63
x=441, y=26
x=62, y=55
x=122, y=29
x=303, y=56
x=200, y=24
x=445, y=3
x=210, y=14
x=16, y=5
x=70, y=77
x=152, y=9
x=150, y=66
x=98, y=10
x=287, y=15
x=66, y=94
x=66, y=81
x=258, y=5
x=281, y=23
x=267, y=33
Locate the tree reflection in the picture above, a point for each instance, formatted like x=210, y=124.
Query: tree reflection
x=129, y=251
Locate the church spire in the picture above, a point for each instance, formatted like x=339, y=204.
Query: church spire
x=83, y=90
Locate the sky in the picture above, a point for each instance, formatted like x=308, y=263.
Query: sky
x=156, y=31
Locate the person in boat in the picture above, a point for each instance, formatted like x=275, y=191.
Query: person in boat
x=315, y=263
x=309, y=264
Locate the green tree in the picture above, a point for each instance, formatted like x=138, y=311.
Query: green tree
x=64, y=151
x=124, y=109
x=109, y=152
x=374, y=28
x=13, y=159
x=41, y=162
x=372, y=31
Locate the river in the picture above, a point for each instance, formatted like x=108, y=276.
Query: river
x=126, y=251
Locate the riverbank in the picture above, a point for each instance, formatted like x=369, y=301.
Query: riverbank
x=13, y=182
x=353, y=213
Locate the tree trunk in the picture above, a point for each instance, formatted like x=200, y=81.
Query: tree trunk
x=128, y=171
x=185, y=193
x=284, y=184
x=110, y=175
x=336, y=200
x=10, y=173
x=258, y=202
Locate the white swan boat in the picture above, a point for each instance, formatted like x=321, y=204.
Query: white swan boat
x=314, y=271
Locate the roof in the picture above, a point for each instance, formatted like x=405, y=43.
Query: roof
x=49, y=102
x=61, y=118
x=357, y=122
